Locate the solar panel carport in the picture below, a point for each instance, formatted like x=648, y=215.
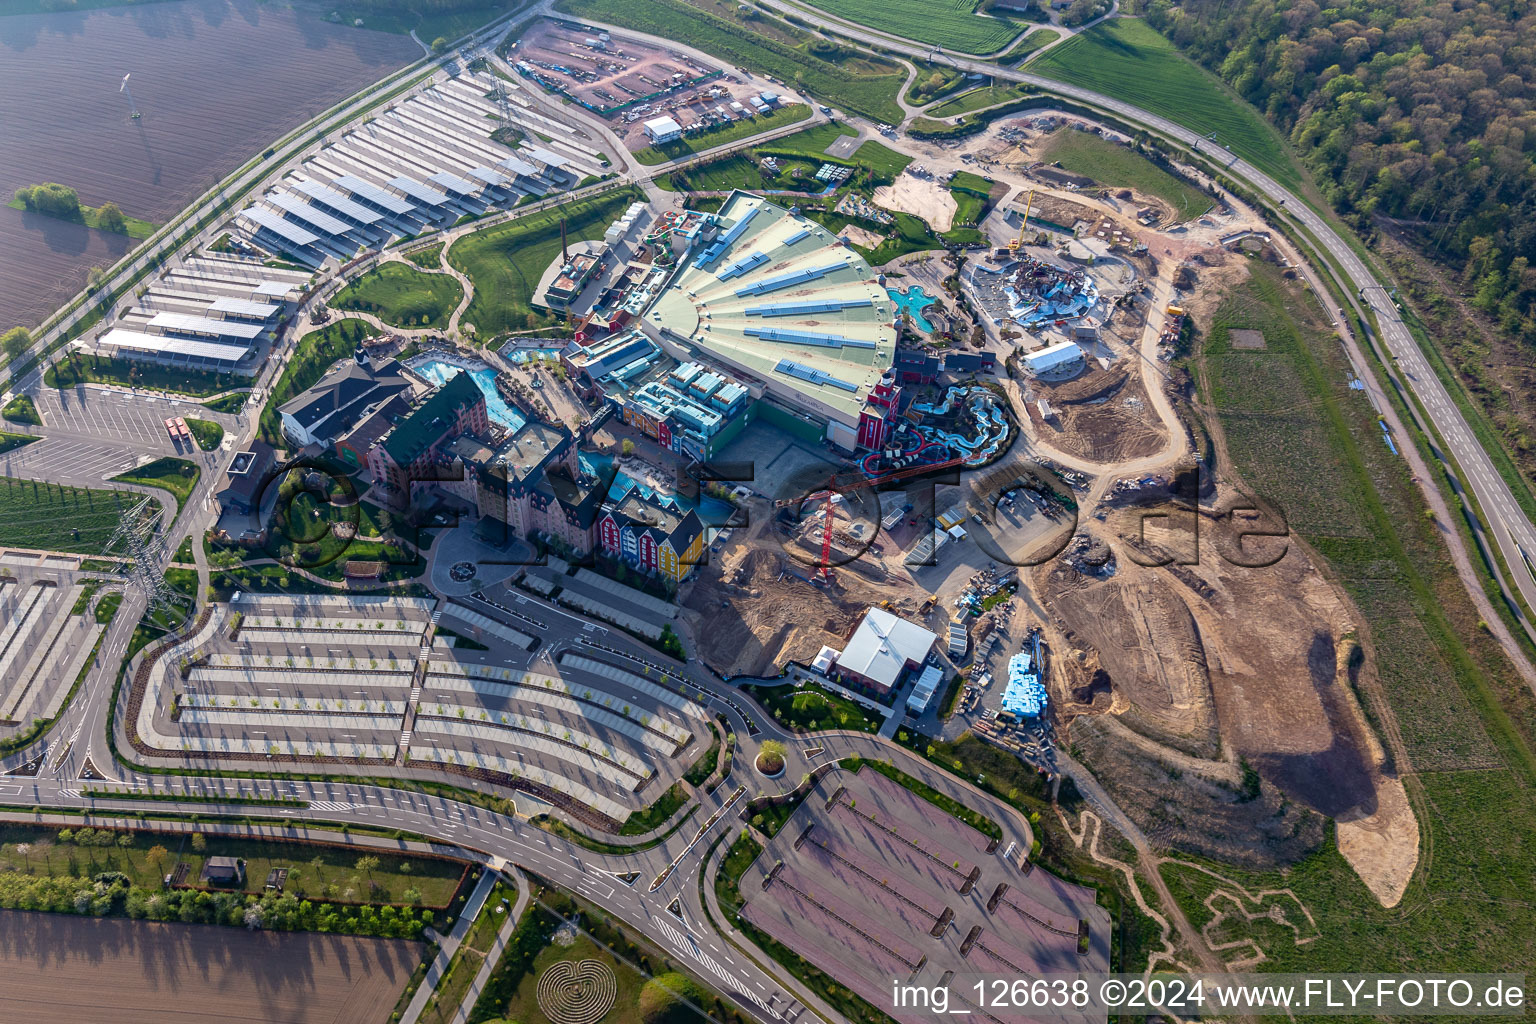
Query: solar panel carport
x=366, y=192
x=284, y=229
x=418, y=192
x=335, y=202
x=244, y=308
x=171, y=349
x=314, y=217
x=206, y=327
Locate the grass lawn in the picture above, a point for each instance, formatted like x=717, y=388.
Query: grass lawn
x=505, y=262
x=442, y=1007
x=813, y=708
x=230, y=403
x=1029, y=44
x=90, y=217
x=427, y=256
x=175, y=475
x=1466, y=720
x=880, y=159
x=733, y=132
x=22, y=409
x=207, y=433
x=971, y=182
x=1118, y=166
x=320, y=871
x=314, y=355
x=401, y=295
x=831, y=72
x=10, y=442
x=657, y=814
x=952, y=24
x=1128, y=59
x=976, y=99
x=79, y=369
x=55, y=517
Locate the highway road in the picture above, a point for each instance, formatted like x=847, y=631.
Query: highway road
x=1472, y=467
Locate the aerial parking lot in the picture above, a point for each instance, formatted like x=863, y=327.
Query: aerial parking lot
x=355, y=679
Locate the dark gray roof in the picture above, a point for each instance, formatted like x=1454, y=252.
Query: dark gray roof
x=344, y=396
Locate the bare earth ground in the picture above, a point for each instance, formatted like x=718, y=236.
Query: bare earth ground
x=65, y=969
x=763, y=621
x=1220, y=663
x=1104, y=414
x=860, y=236
x=923, y=197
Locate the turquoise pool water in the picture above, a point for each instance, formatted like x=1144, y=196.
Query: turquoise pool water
x=438, y=372
x=522, y=355
x=914, y=302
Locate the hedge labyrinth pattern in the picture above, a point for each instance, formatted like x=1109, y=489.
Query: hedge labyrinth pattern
x=576, y=992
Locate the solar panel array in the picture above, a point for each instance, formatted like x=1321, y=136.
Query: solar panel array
x=333, y=200
x=244, y=307
x=280, y=227
x=806, y=308
x=454, y=184
x=368, y=192
x=741, y=266
x=189, y=324
x=419, y=192
x=811, y=376
x=314, y=217
x=789, y=280
x=816, y=338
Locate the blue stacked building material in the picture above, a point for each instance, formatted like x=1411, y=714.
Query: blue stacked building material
x=1025, y=694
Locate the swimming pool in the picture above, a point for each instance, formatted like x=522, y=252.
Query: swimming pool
x=439, y=371
x=914, y=302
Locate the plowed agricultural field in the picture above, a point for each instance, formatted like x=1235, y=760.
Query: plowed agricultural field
x=66, y=969
x=216, y=82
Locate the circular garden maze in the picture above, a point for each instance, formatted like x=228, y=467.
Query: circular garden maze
x=576, y=991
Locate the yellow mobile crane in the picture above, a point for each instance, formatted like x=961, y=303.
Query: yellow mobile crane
x=1016, y=243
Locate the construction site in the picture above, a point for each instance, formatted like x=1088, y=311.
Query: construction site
x=627, y=81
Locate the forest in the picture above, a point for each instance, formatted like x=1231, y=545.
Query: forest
x=1420, y=111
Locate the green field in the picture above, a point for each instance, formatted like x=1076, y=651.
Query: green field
x=733, y=132
x=1126, y=58
x=89, y=216
x=812, y=708
x=55, y=517
x=1302, y=439
x=175, y=475
x=1029, y=44
x=831, y=72
x=76, y=369
x=952, y=24
x=427, y=256
x=399, y=294
x=1118, y=166
x=22, y=409
x=976, y=99
x=315, y=354
x=207, y=433
x=230, y=403
x=504, y=262
x=10, y=442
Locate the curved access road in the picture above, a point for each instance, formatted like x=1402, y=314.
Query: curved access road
x=1468, y=464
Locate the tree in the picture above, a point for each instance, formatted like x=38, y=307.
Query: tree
x=15, y=341
x=110, y=218
x=199, y=844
